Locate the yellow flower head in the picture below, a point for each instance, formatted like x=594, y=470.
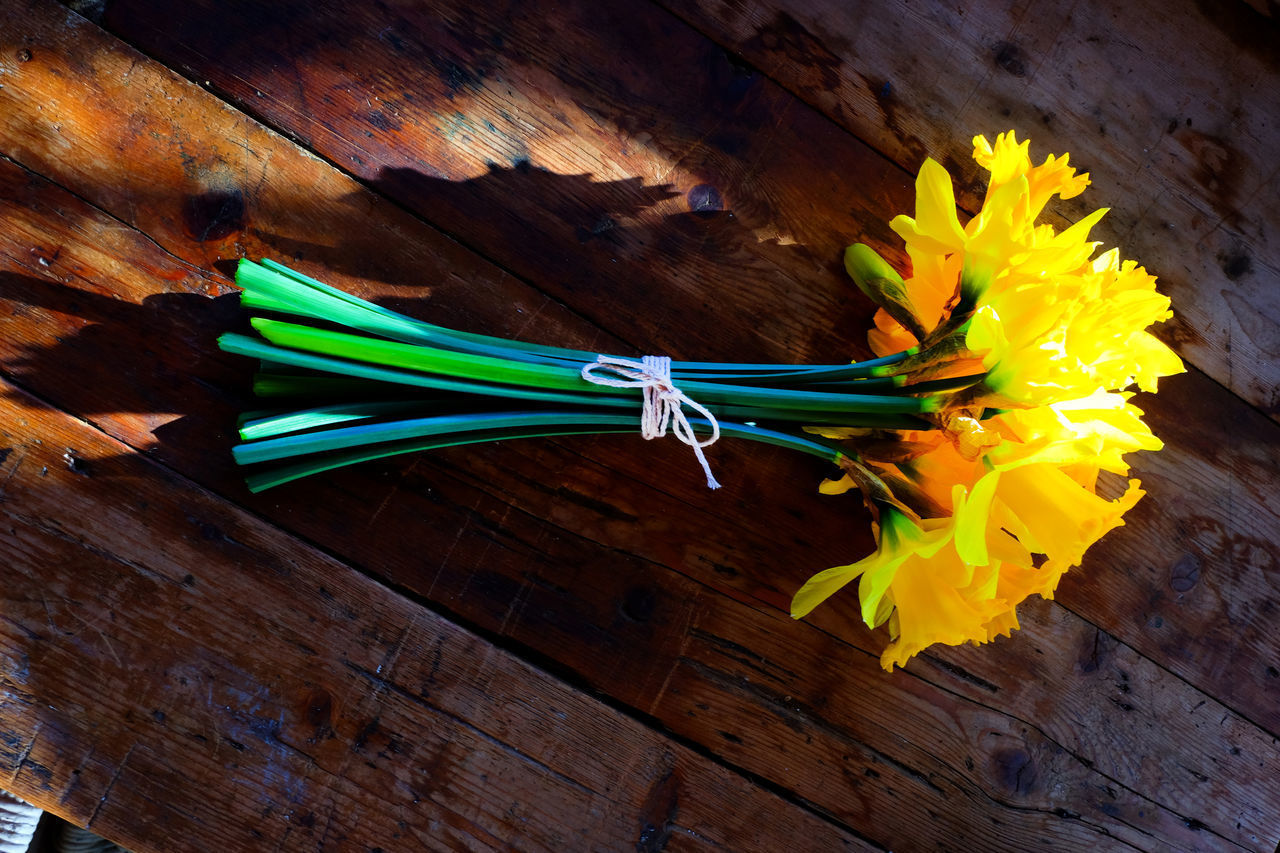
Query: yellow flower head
x=920, y=581
x=1009, y=160
x=1051, y=322
x=1004, y=489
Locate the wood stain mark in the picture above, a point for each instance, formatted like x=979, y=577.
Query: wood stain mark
x=1235, y=263
x=882, y=91
x=786, y=36
x=457, y=77
x=1184, y=574
x=1009, y=58
x=658, y=813
x=704, y=199
x=1219, y=170
x=42, y=774
x=384, y=122
x=318, y=710
x=1015, y=770
x=639, y=604
x=1263, y=330
x=214, y=215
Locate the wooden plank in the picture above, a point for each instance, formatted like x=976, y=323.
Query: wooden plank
x=717, y=683
x=762, y=171
x=604, y=183
x=1172, y=108
x=265, y=696
x=507, y=570
x=503, y=568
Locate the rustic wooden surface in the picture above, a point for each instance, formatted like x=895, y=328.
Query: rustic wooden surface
x=570, y=644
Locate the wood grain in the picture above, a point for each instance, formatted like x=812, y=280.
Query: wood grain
x=267, y=696
x=531, y=70
x=604, y=183
x=505, y=571
x=1171, y=106
x=573, y=553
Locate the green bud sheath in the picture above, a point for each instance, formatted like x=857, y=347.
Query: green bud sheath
x=882, y=285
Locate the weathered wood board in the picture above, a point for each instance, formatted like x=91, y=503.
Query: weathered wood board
x=808, y=186
x=1173, y=107
x=262, y=696
x=1139, y=715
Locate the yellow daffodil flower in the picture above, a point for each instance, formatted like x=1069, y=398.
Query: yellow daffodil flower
x=1002, y=494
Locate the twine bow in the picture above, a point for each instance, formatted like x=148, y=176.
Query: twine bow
x=663, y=401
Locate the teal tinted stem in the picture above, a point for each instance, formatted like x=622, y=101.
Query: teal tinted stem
x=929, y=386
x=503, y=373
x=268, y=425
x=279, y=474
x=243, y=345
x=363, y=434
x=323, y=416
x=341, y=438
x=273, y=286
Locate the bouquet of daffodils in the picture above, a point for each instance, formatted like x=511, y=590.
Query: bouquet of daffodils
x=976, y=437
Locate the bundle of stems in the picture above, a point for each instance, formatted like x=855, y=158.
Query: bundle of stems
x=349, y=381
x=976, y=437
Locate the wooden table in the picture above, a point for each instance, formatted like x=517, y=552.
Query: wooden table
x=570, y=644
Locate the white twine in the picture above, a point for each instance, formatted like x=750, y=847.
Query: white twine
x=18, y=822
x=663, y=401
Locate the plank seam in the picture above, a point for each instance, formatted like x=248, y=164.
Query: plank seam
x=246, y=110
x=906, y=173
x=536, y=660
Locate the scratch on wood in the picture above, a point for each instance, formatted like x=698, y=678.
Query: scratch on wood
x=444, y=561
x=49, y=612
x=16, y=463
x=686, y=637
x=516, y=607
x=391, y=493
x=529, y=321
x=105, y=639
x=17, y=767
x=111, y=784
x=389, y=659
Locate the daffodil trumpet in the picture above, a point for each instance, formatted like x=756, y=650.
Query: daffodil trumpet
x=975, y=437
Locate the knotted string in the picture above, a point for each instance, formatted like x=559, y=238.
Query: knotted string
x=663, y=401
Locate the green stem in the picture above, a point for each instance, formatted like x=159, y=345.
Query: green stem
x=274, y=287
x=501, y=372
x=466, y=384
x=351, y=445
